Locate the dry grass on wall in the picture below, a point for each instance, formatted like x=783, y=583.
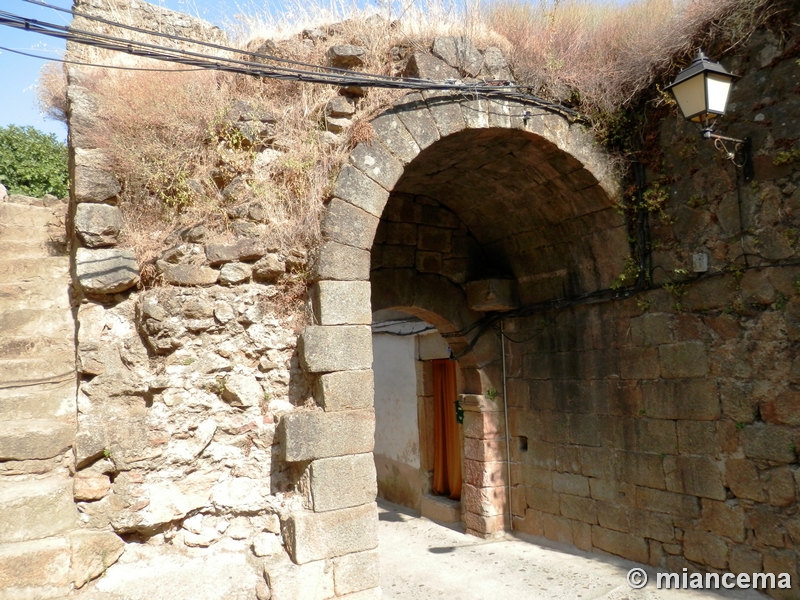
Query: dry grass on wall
x=602, y=54
x=166, y=136
x=165, y=132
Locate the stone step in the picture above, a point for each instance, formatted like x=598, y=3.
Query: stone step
x=36, y=295
x=24, y=215
x=11, y=233
x=30, y=371
x=12, y=347
x=48, y=268
x=33, y=247
x=27, y=321
x=44, y=401
x=35, y=570
x=36, y=508
x=146, y=572
x=33, y=439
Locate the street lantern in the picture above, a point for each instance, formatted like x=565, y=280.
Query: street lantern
x=701, y=91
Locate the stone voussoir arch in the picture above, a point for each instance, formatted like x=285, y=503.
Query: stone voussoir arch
x=337, y=348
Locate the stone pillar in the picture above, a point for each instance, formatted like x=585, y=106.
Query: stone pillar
x=485, y=493
x=341, y=528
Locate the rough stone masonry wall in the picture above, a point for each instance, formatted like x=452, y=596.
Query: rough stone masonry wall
x=665, y=428
x=181, y=390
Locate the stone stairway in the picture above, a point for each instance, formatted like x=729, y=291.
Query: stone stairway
x=37, y=403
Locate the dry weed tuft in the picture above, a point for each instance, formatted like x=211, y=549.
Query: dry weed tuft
x=51, y=91
x=361, y=131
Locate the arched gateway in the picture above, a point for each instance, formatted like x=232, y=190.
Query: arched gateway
x=450, y=189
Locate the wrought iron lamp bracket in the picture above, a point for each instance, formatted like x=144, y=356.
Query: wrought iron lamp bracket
x=742, y=154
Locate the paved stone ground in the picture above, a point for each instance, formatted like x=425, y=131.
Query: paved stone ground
x=423, y=560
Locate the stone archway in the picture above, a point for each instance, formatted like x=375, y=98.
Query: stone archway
x=536, y=195
x=439, y=302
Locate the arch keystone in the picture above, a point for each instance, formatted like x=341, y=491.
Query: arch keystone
x=476, y=112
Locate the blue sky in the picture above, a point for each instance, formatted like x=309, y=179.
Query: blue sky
x=18, y=104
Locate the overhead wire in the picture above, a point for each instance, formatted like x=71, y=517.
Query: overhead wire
x=597, y=297
x=86, y=64
x=338, y=77
x=198, y=42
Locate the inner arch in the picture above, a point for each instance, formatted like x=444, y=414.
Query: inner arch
x=538, y=214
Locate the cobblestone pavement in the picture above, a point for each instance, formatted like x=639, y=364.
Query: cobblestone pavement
x=423, y=560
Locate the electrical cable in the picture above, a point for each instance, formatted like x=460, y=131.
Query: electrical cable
x=206, y=43
x=85, y=64
x=597, y=297
x=401, y=334
x=190, y=58
x=341, y=77
x=741, y=218
x=213, y=45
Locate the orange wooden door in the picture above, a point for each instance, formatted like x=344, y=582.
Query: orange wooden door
x=446, y=438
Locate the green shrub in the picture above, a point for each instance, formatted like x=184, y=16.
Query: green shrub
x=32, y=162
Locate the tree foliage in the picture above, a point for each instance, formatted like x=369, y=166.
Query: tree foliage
x=32, y=163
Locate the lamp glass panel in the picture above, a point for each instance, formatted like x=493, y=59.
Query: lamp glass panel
x=718, y=87
x=691, y=96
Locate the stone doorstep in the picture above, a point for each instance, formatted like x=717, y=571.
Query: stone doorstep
x=38, y=294
x=440, y=509
x=17, y=234
x=30, y=322
x=39, y=566
x=18, y=347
